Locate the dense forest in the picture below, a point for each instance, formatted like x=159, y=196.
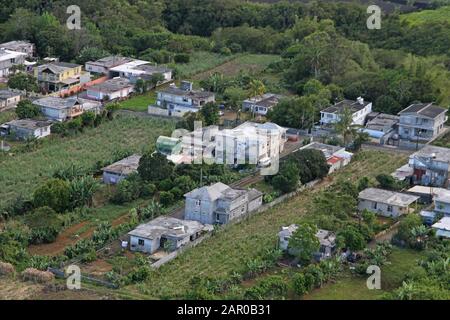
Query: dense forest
x=406, y=60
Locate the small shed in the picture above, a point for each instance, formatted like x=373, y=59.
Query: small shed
x=120, y=170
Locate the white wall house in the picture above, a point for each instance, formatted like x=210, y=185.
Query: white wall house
x=112, y=89
x=442, y=227
x=29, y=128
x=261, y=104
x=422, y=122
x=360, y=109
x=385, y=203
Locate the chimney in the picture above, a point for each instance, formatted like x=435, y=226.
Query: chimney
x=360, y=100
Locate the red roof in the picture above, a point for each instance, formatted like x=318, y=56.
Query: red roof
x=334, y=159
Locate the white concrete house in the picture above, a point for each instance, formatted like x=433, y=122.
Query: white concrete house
x=112, y=89
x=422, y=122
x=8, y=99
x=385, y=203
x=442, y=227
x=261, y=104
x=165, y=233
x=28, y=128
x=360, y=109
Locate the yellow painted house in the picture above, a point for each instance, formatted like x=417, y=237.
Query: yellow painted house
x=57, y=76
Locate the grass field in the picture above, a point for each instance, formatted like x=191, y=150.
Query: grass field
x=21, y=173
x=229, y=249
x=6, y=116
x=251, y=63
x=351, y=287
x=441, y=15
x=444, y=141
x=139, y=103
x=201, y=61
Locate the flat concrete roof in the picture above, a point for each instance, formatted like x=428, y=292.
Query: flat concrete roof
x=438, y=153
x=387, y=197
x=167, y=226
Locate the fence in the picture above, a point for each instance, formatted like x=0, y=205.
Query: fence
x=61, y=274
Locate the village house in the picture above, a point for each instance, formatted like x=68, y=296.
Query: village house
x=220, y=204
x=174, y=101
x=442, y=227
x=326, y=238
x=427, y=194
x=8, y=59
x=24, y=129
x=139, y=69
x=441, y=206
x=8, y=99
x=103, y=65
x=20, y=46
x=112, y=89
x=60, y=109
x=381, y=127
x=261, y=105
x=165, y=233
x=336, y=156
x=430, y=166
x=116, y=172
x=385, y=203
x=57, y=76
x=250, y=142
x=359, y=108
x=421, y=122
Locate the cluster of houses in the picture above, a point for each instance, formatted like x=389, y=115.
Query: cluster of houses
x=416, y=125
x=428, y=169
x=68, y=89
x=204, y=207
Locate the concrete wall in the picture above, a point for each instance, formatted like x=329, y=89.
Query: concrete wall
x=150, y=246
x=158, y=111
x=381, y=208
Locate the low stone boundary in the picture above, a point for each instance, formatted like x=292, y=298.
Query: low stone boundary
x=174, y=254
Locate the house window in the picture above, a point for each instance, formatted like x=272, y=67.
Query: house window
x=198, y=202
x=374, y=205
x=141, y=242
x=389, y=208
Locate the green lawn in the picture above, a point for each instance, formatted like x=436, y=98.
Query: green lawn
x=6, y=116
x=352, y=287
x=22, y=172
x=441, y=15
x=230, y=248
x=251, y=63
x=444, y=141
x=200, y=61
x=140, y=103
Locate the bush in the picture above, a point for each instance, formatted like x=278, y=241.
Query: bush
x=299, y=284
x=44, y=224
x=127, y=190
x=55, y=194
x=166, y=198
x=182, y=58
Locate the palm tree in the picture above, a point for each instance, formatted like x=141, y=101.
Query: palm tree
x=345, y=126
x=256, y=90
